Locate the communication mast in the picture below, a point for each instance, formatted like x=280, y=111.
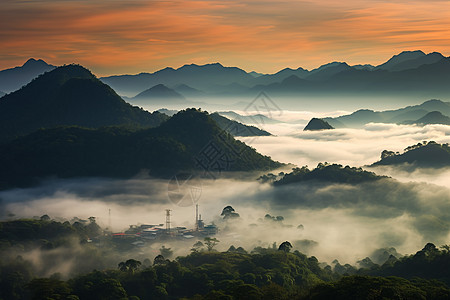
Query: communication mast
x=196, y=217
x=168, y=220
x=109, y=219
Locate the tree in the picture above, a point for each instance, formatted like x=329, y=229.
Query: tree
x=45, y=218
x=166, y=252
x=232, y=249
x=130, y=265
x=48, y=288
x=197, y=246
x=285, y=246
x=387, y=153
x=133, y=265
x=211, y=243
x=122, y=266
x=229, y=213
x=159, y=260
x=241, y=250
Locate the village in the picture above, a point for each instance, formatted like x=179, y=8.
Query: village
x=140, y=235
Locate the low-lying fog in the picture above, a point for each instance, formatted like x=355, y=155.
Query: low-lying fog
x=338, y=221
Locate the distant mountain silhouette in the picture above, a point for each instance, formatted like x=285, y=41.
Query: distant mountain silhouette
x=434, y=117
x=255, y=74
x=169, y=112
x=428, y=59
x=68, y=95
x=178, y=145
x=203, y=77
x=327, y=71
x=403, y=57
x=366, y=67
x=189, y=92
x=429, y=154
x=249, y=119
x=160, y=92
x=404, y=115
x=279, y=76
x=2, y=94
x=317, y=124
x=237, y=129
x=410, y=73
x=14, y=78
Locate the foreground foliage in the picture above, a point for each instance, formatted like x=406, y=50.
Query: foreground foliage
x=265, y=273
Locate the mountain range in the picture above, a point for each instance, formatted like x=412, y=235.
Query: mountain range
x=259, y=119
x=409, y=74
x=430, y=112
x=187, y=142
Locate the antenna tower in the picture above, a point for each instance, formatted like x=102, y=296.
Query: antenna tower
x=168, y=220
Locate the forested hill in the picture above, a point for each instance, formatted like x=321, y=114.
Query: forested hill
x=427, y=154
x=183, y=143
x=68, y=95
x=236, y=128
x=324, y=172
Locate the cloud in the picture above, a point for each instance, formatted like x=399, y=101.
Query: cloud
x=344, y=221
x=354, y=147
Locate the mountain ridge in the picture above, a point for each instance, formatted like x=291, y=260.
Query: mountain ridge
x=14, y=78
x=177, y=145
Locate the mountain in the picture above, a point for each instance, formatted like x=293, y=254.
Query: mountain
x=189, y=92
x=279, y=76
x=402, y=115
x=248, y=119
x=169, y=112
x=14, y=78
x=237, y=129
x=429, y=154
x=334, y=173
x=160, y=92
x=434, y=117
x=428, y=59
x=429, y=79
x=255, y=74
x=367, y=67
x=410, y=73
x=327, y=71
x=2, y=94
x=203, y=78
x=317, y=124
x=230, y=125
x=356, y=119
x=68, y=95
x=401, y=58
x=190, y=141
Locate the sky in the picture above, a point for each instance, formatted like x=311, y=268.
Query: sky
x=117, y=37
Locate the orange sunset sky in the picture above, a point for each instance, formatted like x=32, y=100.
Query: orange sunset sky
x=115, y=37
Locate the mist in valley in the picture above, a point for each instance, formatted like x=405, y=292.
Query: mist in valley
x=329, y=221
